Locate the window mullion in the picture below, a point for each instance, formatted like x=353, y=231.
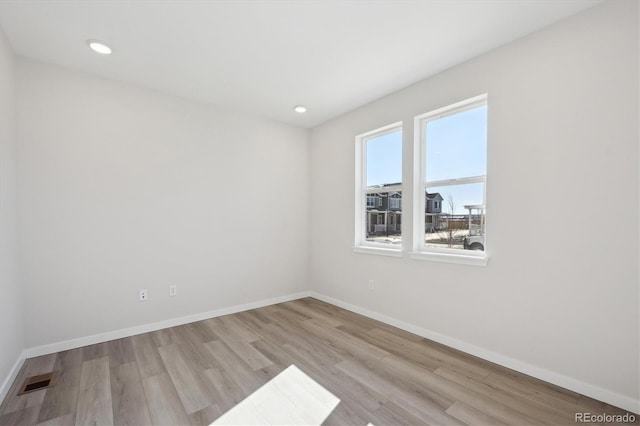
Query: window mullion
x=456, y=181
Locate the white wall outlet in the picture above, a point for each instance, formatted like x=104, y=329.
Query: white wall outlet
x=173, y=290
x=371, y=285
x=143, y=296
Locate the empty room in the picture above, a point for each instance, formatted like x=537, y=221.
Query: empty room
x=261, y=212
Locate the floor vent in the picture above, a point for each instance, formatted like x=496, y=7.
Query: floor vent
x=34, y=383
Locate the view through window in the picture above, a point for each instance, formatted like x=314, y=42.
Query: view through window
x=379, y=209
x=383, y=219
x=454, y=146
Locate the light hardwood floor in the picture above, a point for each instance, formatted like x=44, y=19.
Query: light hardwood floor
x=194, y=373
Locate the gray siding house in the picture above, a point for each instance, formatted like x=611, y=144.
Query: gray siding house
x=384, y=212
x=432, y=211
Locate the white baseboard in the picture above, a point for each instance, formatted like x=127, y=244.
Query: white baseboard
x=6, y=385
x=558, y=379
x=596, y=392
x=145, y=328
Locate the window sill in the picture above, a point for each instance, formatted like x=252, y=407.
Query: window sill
x=460, y=259
x=378, y=250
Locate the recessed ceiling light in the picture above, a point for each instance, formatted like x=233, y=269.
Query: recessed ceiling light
x=99, y=47
x=300, y=109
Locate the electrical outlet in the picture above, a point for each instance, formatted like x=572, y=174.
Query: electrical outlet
x=173, y=290
x=371, y=285
x=143, y=296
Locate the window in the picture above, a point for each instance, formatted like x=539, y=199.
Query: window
x=451, y=171
x=379, y=176
x=394, y=203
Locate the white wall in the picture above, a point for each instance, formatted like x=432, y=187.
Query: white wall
x=124, y=189
x=560, y=293
x=11, y=323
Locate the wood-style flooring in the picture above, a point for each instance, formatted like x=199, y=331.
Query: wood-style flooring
x=192, y=374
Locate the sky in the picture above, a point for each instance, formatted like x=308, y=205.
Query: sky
x=384, y=159
x=456, y=147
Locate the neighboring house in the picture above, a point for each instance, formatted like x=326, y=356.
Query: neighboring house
x=384, y=212
x=432, y=211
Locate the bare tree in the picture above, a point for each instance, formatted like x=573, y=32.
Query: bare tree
x=450, y=234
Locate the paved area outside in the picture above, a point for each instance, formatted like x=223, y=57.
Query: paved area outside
x=438, y=239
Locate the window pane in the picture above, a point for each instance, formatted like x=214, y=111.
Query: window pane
x=457, y=145
x=384, y=159
x=383, y=220
x=453, y=213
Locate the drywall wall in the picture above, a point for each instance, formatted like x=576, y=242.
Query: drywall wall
x=11, y=329
x=124, y=189
x=560, y=292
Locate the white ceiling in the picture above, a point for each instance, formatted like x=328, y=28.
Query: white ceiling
x=264, y=57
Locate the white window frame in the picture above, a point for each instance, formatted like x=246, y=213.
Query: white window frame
x=361, y=245
x=420, y=249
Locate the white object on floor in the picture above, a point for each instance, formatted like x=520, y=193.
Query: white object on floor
x=290, y=398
